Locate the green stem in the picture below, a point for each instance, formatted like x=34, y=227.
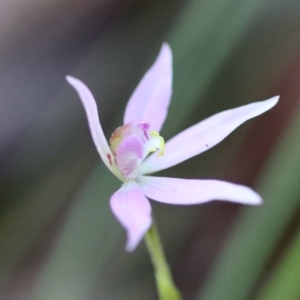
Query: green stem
x=164, y=282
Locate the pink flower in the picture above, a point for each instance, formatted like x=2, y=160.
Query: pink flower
x=137, y=150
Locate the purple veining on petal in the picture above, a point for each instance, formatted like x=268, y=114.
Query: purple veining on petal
x=128, y=154
x=145, y=128
x=139, y=128
x=109, y=159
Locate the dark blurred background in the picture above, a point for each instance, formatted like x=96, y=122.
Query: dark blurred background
x=58, y=238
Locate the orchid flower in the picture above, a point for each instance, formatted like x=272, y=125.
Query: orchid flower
x=137, y=150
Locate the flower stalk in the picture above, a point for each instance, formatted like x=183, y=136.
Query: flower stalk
x=165, y=286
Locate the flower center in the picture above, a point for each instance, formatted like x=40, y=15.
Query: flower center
x=131, y=144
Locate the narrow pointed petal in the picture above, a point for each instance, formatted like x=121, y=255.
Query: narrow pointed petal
x=204, y=135
x=133, y=211
x=91, y=110
x=186, y=191
x=150, y=100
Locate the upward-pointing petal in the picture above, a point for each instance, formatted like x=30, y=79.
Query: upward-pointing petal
x=91, y=110
x=133, y=211
x=204, y=135
x=150, y=100
x=193, y=191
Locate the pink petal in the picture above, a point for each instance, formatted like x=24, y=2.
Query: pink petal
x=150, y=100
x=133, y=211
x=99, y=139
x=204, y=135
x=192, y=191
x=128, y=154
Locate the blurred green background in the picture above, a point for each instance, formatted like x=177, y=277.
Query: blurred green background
x=58, y=238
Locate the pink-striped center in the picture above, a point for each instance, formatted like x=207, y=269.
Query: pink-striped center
x=131, y=143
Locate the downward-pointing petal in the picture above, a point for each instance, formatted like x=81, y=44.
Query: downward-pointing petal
x=187, y=191
x=150, y=100
x=91, y=110
x=133, y=211
x=204, y=135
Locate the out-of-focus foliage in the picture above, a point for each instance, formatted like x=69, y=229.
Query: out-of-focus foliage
x=58, y=237
x=283, y=283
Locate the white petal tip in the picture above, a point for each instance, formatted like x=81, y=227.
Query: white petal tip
x=166, y=51
x=255, y=200
x=165, y=46
x=130, y=247
x=133, y=241
x=273, y=101
x=249, y=196
x=132, y=244
x=72, y=80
